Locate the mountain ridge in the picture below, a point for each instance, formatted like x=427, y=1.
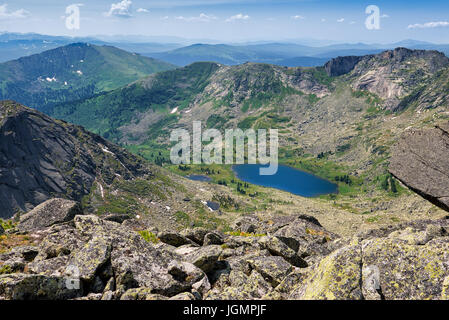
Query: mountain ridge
x=72, y=72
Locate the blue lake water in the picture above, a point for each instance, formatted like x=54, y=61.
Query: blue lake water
x=287, y=179
x=201, y=178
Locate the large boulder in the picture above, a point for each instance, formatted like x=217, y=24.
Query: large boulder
x=420, y=160
x=36, y=287
x=173, y=238
x=405, y=264
x=405, y=270
x=306, y=237
x=273, y=269
x=238, y=286
x=204, y=257
x=336, y=277
x=51, y=212
x=278, y=248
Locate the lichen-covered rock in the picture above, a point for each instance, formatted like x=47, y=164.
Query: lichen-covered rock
x=293, y=279
x=273, y=269
x=278, y=248
x=306, y=237
x=248, y=224
x=49, y=213
x=196, y=234
x=90, y=258
x=213, y=238
x=183, y=296
x=239, y=286
x=16, y=259
x=173, y=238
x=337, y=277
x=136, y=294
x=35, y=287
x=204, y=257
x=50, y=267
x=408, y=270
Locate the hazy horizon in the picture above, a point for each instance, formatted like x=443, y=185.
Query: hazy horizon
x=234, y=21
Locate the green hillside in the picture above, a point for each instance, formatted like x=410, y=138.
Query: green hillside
x=338, y=127
x=72, y=72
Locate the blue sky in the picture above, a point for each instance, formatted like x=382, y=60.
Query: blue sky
x=235, y=20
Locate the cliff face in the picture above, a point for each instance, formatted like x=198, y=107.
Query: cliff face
x=420, y=161
x=41, y=158
x=341, y=65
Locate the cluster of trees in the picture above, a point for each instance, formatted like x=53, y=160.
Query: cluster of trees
x=241, y=187
x=183, y=167
x=344, y=179
x=323, y=155
x=226, y=202
x=209, y=171
x=222, y=182
x=389, y=184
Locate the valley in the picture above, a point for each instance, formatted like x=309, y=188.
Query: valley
x=337, y=122
x=88, y=180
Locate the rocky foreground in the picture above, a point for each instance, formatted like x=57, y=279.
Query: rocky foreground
x=77, y=256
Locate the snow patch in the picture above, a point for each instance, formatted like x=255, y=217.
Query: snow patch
x=51, y=79
x=79, y=72
x=106, y=150
x=174, y=110
x=102, y=191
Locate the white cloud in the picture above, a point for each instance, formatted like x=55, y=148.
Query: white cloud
x=121, y=9
x=201, y=18
x=352, y=22
x=143, y=10
x=18, y=14
x=435, y=24
x=323, y=20
x=239, y=16
x=298, y=17
x=385, y=16
x=164, y=18
x=341, y=20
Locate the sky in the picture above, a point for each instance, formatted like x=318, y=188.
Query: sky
x=235, y=20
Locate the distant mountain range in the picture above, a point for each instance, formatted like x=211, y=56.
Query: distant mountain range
x=283, y=54
x=72, y=72
x=182, y=52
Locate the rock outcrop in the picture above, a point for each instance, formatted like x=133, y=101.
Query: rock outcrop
x=90, y=258
x=420, y=160
x=49, y=213
x=41, y=158
x=341, y=65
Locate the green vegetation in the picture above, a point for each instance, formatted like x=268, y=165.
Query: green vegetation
x=123, y=204
x=182, y=218
x=149, y=236
x=81, y=70
x=8, y=224
x=5, y=270
x=105, y=113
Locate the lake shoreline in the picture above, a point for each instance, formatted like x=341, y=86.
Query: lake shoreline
x=327, y=186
